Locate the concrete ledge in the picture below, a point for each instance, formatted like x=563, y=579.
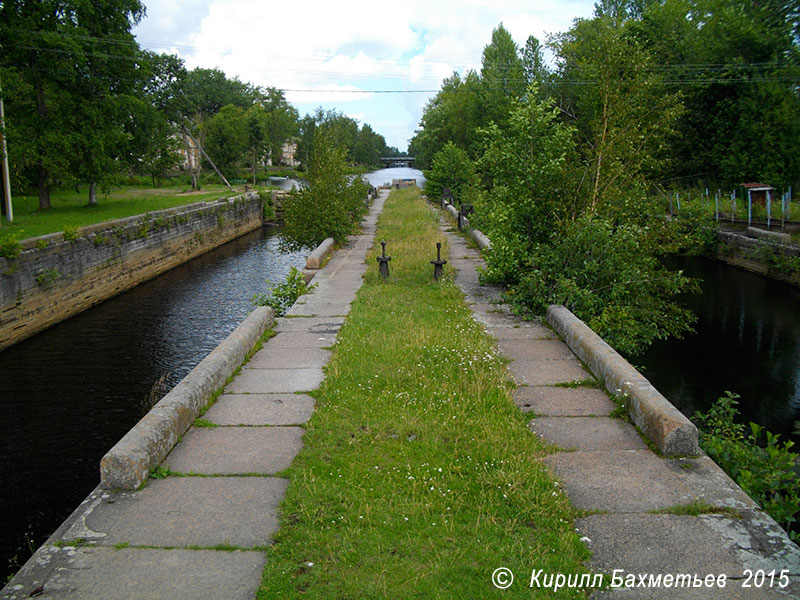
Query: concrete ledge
x=314, y=260
x=772, y=236
x=452, y=210
x=483, y=242
x=128, y=463
x=665, y=426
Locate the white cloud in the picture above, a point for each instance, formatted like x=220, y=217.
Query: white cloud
x=337, y=49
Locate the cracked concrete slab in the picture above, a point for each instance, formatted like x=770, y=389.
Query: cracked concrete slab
x=261, y=409
x=547, y=372
x=681, y=544
x=236, y=450
x=320, y=325
x=588, y=433
x=192, y=511
x=562, y=401
x=270, y=357
x=639, y=481
x=143, y=574
x=301, y=339
x=277, y=381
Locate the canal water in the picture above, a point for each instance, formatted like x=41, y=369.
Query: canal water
x=72, y=391
x=746, y=340
x=69, y=393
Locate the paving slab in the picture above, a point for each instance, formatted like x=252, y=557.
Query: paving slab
x=562, y=401
x=547, y=372
x=535, y=349
x=270, y=357
x=261, y=409
x=145, y=574
x=318, y=309
x=320, y=325
x=639, y=481
x=523, y=331
x=588, y=433
x=682, y=544
x=301, y=339
x=275, y=381
x=236, y=450
x=187, y=511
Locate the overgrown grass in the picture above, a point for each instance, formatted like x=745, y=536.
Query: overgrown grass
x=70, y=209
x=418, y=477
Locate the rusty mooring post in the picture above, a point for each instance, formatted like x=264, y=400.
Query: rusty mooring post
x=383, y=262
x=466, y=209
x=447, y=196
x=438, y=264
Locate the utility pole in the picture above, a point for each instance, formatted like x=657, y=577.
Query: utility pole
x=6, y=178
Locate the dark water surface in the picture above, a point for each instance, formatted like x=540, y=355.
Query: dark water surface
x=747, y=341
x=71, y=392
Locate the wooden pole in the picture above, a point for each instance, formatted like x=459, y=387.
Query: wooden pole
x=6, y=177
x=221, y=176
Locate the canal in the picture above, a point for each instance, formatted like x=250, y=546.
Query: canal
x=746, y=340
x=72, y=391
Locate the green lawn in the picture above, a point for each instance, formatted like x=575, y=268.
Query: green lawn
x=70, y=208
x=419, y=476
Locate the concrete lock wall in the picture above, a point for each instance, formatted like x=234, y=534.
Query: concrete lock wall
x=749, y=251
x=53, y=278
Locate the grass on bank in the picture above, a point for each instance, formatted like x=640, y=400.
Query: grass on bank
x=418, y=477
x=70, y=209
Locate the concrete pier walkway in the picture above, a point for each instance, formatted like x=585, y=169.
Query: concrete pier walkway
x=203, y=529
x=624, y=487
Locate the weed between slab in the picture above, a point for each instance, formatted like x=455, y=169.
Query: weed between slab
x=418, y=477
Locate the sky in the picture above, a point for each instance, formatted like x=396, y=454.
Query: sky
x=376, y=61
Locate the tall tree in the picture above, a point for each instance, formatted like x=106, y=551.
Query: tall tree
x=56, y=52
x=502, y=76
x=624, y=115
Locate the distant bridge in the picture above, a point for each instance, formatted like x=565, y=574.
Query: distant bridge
x=397, y=161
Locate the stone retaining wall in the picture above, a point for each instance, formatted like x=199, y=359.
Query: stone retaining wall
x=746, y=252
x=55, y=278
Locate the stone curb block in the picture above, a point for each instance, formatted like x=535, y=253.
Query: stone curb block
x=665, y=426
x=128, y=463
x=483, y=242
x=772, y=236
x=315, y=259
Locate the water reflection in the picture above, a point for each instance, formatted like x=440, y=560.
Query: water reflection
x=70, y=392
x=747, y=341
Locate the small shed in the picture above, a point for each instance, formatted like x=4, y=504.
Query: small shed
x=758, y=192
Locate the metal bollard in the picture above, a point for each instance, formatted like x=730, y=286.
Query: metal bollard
x=438, y=264
x=383, y=262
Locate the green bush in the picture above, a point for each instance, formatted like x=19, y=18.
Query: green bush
x=70, y=233
x=451, y=168
x=602, y=275
x=767, y=473
x=283, y=295
x=332, y=203
x=10, y=246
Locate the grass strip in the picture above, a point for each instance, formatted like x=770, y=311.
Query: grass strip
x=419, y=476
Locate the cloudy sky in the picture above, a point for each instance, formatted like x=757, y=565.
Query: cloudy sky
x=376, y=61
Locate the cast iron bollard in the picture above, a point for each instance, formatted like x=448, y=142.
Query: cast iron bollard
x=383, y=262
x=447, y=195
x=438, y=263
x=466, y=209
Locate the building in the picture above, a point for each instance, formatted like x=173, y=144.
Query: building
x=758, y=192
